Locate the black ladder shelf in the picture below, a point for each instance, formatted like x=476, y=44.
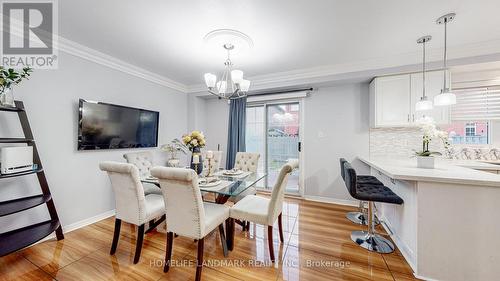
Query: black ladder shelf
x=16, y=239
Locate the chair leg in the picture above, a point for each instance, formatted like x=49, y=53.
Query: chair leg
x=168, y=253
x=280, y=226
x=116, y=236
x=223, y=240
x=270, y=242
x=199, y=259
x=248, y=225
x=138, y=246
x=230, y=233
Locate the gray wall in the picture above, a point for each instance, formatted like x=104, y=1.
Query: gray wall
x=79, y=188
x=336, y=125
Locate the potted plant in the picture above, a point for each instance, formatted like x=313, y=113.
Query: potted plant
x=8, y=78
x=195, y=141
x=425, y=157
x=174, y=147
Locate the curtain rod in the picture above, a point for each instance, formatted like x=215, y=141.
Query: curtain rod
x=282, y=92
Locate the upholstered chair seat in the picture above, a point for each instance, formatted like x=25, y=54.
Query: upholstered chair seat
x=144, y=162
x=131, y=204
x=187, y=214
x=262, y=210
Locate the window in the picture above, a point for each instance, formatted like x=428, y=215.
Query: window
x=472, y=118
x=469, y=132
x=470, y=129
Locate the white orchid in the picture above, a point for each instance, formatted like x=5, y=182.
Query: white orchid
x=430, y=131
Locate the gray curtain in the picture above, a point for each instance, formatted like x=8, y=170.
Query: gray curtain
x=236, y=129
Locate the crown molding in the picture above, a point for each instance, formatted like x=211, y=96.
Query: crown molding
x=79, y=50
x=378, y=66
x=84, y=52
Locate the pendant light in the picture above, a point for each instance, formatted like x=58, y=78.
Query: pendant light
x=446, y=97
x=424, y=103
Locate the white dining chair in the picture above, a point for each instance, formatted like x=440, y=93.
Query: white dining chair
x=131, y=204
x=247, y=162
x=144, y=162
x=187, y=214
x=215, y=162
x=262, y=210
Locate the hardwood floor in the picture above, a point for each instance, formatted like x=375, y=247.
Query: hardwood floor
x=317, y=247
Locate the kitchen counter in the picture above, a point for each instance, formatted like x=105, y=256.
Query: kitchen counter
x=445, y=226
x=445, y=171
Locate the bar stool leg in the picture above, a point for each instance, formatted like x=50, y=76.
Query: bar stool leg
x=369, y=239
x=360, y=216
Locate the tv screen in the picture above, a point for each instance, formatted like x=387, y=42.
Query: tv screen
x=109, y=126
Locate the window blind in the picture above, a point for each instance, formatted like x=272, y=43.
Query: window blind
x=476, y=104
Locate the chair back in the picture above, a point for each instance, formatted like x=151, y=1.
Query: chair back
x=278, y=195
x=342, y=168
x=215, y=165
x=183, y=202
x=350, y=178
x=142, y=160
x=247, y=161
x=129, y=192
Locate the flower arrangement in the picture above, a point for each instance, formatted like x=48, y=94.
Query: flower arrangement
x=430, y=131
x=174, y=147
x=195, y=139
x=8, y=78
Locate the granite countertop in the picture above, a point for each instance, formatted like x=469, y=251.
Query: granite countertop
x=445, y=171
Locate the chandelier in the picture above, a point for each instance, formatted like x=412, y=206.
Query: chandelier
x=231, y=84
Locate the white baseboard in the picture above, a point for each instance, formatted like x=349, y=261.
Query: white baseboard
x=82, y=223
x=332, y=200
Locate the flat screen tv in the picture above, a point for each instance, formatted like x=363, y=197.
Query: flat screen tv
x=110, y=126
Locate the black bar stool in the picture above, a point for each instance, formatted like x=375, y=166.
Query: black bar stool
x=359, y=217
x=371, y=193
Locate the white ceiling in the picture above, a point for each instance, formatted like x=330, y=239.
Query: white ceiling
x=166, y=37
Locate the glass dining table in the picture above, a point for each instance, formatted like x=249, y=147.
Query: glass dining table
x=229, y=186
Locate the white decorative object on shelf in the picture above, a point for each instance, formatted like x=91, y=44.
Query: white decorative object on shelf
x=425, y=162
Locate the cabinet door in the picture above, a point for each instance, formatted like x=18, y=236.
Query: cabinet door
x=392, y=101
x=433, y=86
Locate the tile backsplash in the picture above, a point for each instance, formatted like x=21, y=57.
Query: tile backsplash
x=398, y=142
x=402, y=142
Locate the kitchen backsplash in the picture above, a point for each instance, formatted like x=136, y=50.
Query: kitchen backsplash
x=402, y=142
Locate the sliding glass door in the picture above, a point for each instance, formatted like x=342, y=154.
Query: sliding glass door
x=273, y=130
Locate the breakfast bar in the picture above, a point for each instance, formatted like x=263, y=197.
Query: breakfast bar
x=436, y=227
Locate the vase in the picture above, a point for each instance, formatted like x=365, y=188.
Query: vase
x=425, y=162
x=7, y=97
x=198, y=168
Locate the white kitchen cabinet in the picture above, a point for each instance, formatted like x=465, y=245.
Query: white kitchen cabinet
x=433, y=86
x=390, y=99
x=393, y=99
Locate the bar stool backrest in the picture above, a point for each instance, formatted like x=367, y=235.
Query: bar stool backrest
x=342, y=168
x=350, y=178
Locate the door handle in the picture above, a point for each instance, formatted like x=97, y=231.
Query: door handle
x=299, y=146
x=408, y=118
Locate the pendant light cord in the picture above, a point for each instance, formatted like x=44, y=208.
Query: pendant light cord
x=445, y=54
x=423, y=71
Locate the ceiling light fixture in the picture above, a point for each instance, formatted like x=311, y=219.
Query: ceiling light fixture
x=424, y=103
x=231, y=84
x=446, y=97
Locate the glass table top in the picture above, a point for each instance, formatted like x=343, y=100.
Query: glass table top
x=229, y=186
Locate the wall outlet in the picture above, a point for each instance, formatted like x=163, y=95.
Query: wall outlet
x=321, y=134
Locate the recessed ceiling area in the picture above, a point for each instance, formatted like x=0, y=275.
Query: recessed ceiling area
x=166, y=37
